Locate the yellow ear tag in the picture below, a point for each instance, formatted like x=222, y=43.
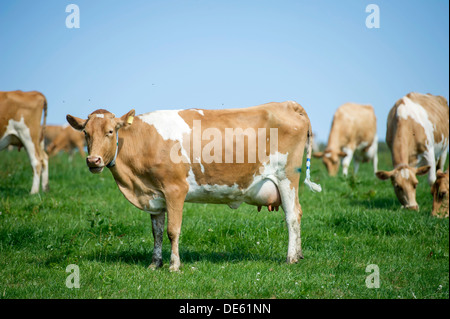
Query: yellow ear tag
x=130, y=119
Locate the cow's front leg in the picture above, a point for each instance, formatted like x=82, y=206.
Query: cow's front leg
x=158, y=220
x=347, y=160
x=174, y=201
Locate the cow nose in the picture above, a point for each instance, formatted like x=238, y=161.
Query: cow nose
x=412, y=207
x=93, y=161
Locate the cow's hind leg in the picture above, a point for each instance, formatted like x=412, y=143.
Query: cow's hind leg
x=33, y=150
x=293, y=212
x=158, y=220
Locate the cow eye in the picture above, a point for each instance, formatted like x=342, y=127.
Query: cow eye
x=110, y=132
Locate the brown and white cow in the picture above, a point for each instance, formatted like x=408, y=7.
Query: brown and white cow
x=353, y=135
x=440, y=192
x=417, y=135
x=67, y=140
x=51, y=132
x=20, y=125
x=162, y=159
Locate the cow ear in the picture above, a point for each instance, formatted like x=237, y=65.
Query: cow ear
x=440, y=173
x=76, y=122
x=383, y=175
x=126, y=120
x=318, y=154
x=423, y=170
x=342, y=154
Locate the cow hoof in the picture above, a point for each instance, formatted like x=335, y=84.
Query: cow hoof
x=174, y=268
x=292, y=260
x=155, y=265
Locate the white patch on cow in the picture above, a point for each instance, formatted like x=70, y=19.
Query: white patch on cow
x=21, y=131
x=200, y=112
x=328, y=154
x=263, y=187
x=157, y=204
x=404, y=172
x=441, y=147
x=417, y=113
x=170, y=125
x=100, y=115
x=373, y=148
x=347, y=159
x=202, y=168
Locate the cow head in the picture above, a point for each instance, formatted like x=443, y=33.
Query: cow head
x=440, y=191
x=404, y=180
x=100, y=130
x=331, y=159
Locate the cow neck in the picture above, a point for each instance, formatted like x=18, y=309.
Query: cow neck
x=400, y=147
x=334, y=143
x=119, y=169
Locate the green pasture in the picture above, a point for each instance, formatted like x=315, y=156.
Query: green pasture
x=84, y=220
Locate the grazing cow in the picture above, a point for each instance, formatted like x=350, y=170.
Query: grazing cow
x=162, y=159
x=67, y=140
x=51, y=132
x=440, y=191
x=353, y=135
x=417, y=135
x=20, y=125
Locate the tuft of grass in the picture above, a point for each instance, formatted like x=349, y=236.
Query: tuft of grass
x=84, y=220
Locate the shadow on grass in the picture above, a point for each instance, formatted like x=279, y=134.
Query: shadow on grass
x=144, y=258
x=378, y=203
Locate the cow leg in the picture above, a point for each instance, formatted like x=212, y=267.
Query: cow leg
x=442, y=159
x=34, y=154
x=347, y=160
x=174, y=203
x=158, y=220
x=429, y=156
x=356, y=163
x=293, y=212
x=44, y=176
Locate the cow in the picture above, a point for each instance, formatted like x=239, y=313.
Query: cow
x=417, y=135
x=162, y=159
x=440, y=192
x=353, y=134
x=51, y=132
x=67, y=140
x=20, y=125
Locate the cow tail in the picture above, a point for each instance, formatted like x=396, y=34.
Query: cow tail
x=44, y=123
x=309, y=144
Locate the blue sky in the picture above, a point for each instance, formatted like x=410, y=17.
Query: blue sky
x=151, y=55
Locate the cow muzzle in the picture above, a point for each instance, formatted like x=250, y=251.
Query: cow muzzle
x=411, y=207
x=95, y=164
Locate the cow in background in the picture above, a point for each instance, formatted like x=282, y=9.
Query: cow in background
x=417, y=135
x=20, y=126
x=353, y=135
x=67, y=140
x=440, y=192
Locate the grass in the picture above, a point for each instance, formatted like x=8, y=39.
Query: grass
x=225, y=253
